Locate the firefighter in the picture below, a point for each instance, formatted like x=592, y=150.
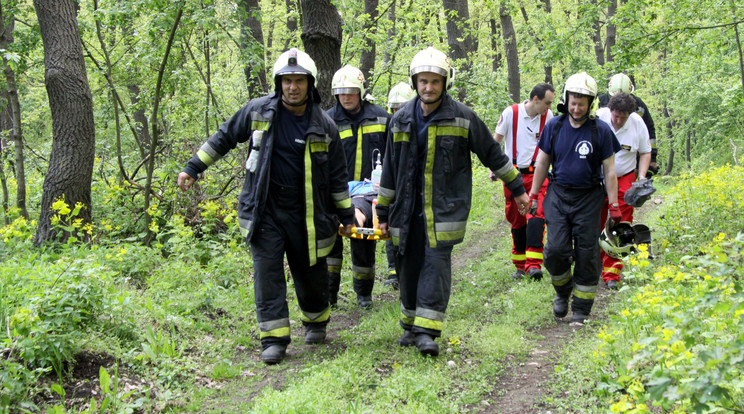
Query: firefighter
x=633, y=136
x=362, y=126
x=580, y=149
x=521, y=125
x=426, y=191
x=290, y=198
x=621, y=83
x=399, y=95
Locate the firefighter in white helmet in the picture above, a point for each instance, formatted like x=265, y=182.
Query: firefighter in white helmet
x=289, y=200
x=426, y=190
x=632, y=134
x=399, y=95
x=580, y=149
x=621, y=83
x=362, y=127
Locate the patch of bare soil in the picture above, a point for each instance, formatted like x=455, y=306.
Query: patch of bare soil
x=520, y=390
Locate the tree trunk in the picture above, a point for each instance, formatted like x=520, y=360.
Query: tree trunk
x=670, y=139
x=291, y=22
x=71, y=104
x=512, y=55
x=688, y=145
x=321, y=35
x=611, y=31
x=252, y=47
x=496, y=65
x=389, y=58
x=6, y=128
x=597, y=37
x=14, y=104
x=367, y=61
x=459, y=39
x=738, y=46
x=154, y=125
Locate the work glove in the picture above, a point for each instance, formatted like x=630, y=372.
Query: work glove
x=615, y=215
x=653, y=169
x=533, y=204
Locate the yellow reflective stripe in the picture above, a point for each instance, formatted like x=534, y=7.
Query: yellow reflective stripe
x=363, y=276
x=510, y=176
x=244, y=226
x=386, y=192
x=450, y=230
x=371, y=129
x=334, y=269
x=428, y=323
x=383, y=201
x=584, y=295
x=326, y=245
x=428, y=185
x=310, y=208
x=453, y=130
x=342, y=204
x=614, y=270
x=518, y=257
x=318, y=147
x=316, y=316
x=205, y=158
x=562, y=279
x=406, y=320
x=534, y=255
x=358, y=161
x=279, y=332
x=345, y=131
x=401, y=137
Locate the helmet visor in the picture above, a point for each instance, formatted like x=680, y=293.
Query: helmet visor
x=346, y=91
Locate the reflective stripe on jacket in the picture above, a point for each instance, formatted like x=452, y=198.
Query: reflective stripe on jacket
x=325, y=190
x=369, y=128
x=446, y=172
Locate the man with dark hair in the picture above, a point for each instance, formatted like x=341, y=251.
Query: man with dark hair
x=426, y=191
x=621, y=82
x=632, y=134
x=291, y=201
x=522, y=124
x=580, y=150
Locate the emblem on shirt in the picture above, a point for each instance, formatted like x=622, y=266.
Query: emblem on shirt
x=584, y=148
x=626, y=147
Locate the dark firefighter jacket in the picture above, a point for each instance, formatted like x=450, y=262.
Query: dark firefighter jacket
x=326, y=190
x=369, y=128
x=445, y=174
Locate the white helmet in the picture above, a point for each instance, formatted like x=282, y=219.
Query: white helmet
x=431, y=60
x=584, y=84
x=618, y=241
x=400, y=94
x=348, y=80
x=294, y=62
x=620, y=83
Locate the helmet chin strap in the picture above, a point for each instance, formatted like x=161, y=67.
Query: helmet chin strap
x=582, y=119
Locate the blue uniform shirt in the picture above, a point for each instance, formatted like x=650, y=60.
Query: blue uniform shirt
x=288, y=156
x=577, y=156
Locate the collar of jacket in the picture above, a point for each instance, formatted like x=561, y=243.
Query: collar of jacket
x=271, y=107
x=340, y=116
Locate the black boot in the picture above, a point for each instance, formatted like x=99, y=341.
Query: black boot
x=560, y=306
x=407, y=339
x=315, y=335
x=274, y=354
x=426, y=345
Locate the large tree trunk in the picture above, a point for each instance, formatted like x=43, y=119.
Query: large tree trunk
x=252, y=47
x=6, y=38
x=496, y=64
x=597, y=37
x=512, y=55
x=71, y=104
x=389, y=58
x=611, y=31
x=321, y=35
x=459, y=38
x=367, y=61
x=291, y=23
x=6, y=128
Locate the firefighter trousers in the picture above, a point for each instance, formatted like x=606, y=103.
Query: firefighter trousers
x=572, y=217
x=612, y=267
x=425, y=276
x=282, y=230
x=527, y=230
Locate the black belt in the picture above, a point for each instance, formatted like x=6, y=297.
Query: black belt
x=526, y=170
